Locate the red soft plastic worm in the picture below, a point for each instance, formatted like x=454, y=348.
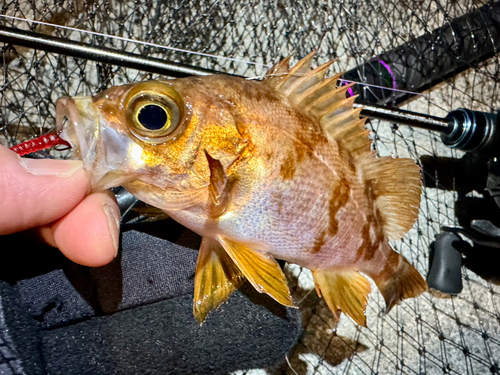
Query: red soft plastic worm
x=39, y=143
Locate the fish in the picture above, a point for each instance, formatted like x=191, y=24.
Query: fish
x=281, y=168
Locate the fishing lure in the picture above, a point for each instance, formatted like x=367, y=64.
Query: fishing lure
x=40, y=143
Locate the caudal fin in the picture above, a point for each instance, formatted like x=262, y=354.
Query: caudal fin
x=398, y=280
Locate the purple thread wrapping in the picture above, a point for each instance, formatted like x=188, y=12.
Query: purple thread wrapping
x=386, y=66
x=344, y=83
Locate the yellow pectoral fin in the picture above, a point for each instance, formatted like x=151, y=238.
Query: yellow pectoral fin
x=346, y=291
x=263, y=272
x=216, y=278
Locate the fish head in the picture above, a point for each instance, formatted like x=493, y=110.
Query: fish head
x=151, y=137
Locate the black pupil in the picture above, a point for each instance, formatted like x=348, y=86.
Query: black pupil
x=152, y=117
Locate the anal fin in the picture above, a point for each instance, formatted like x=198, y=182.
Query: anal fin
x=261, y=270
x=344, y=290
x=217, y=277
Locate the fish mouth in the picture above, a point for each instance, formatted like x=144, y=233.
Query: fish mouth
x=78, y=124
x=108, y=154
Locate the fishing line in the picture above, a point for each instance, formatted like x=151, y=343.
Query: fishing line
x=381, y=87
x=134, y=41
x=344, y=81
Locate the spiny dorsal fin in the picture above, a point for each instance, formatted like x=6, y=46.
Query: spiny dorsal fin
x=396, y=187
x=216, y=278
x=322, y=99
x=344, y=290
x=396, y=182
x=278, y=72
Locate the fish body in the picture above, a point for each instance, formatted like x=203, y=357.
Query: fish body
x=279, y=168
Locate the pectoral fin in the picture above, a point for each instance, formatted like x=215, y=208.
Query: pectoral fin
x=218, y=179
x=262, y=270
x=344, y=290
x=216, y=278
x=221, y=187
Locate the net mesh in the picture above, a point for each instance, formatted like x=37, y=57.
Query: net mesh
x=426, y=335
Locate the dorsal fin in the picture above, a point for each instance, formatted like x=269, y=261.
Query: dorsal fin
x=324, y=100
x=396, y=183
x=396, y=187
x=278, y=72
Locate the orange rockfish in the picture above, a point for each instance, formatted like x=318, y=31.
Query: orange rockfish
x=278, y=168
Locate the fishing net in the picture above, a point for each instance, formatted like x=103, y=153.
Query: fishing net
x=426, y=335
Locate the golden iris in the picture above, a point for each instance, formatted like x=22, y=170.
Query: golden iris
x=153, y=111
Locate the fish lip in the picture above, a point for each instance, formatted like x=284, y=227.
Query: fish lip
x=102, y=148
x=80, y=129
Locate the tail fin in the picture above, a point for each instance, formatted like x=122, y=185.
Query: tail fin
x=398, y=280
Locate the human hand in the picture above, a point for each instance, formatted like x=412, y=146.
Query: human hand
x=50, y=197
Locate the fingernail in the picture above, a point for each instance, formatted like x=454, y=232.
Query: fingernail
x=49, y=167
x=113, y=224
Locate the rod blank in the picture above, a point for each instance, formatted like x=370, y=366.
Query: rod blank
x=438, y=124
x=100, y=54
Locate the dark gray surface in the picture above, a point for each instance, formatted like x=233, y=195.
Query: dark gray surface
x=133, y=316
x=148, y=269
x=9, y=360
x=164, y=338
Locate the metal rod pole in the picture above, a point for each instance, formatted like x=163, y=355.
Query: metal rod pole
x=400, y=116
x=100, y=54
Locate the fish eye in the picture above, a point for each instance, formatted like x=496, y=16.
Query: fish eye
x=152, y=116
x=153, y=111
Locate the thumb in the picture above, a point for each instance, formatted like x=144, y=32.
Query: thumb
x=35, y=192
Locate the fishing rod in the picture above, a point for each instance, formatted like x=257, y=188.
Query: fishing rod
x=134, y=61
x=463, y=129
x=99, y=54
